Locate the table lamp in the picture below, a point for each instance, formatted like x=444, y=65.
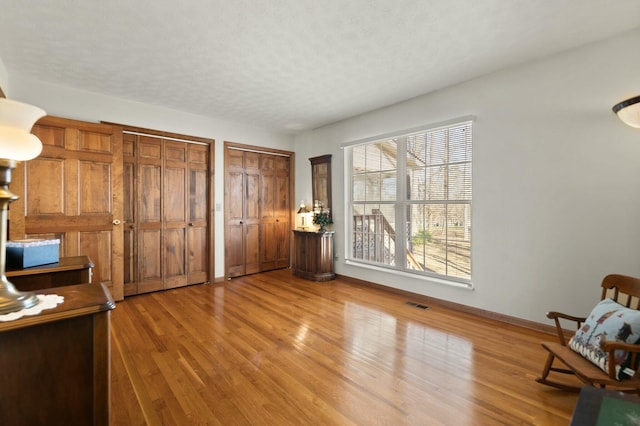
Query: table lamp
x=302, y=211
x=16, y=144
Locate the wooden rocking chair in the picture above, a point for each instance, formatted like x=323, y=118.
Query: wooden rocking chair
x=626, y=291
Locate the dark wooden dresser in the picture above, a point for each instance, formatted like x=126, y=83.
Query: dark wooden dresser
x=313, y=255
x=55, y=366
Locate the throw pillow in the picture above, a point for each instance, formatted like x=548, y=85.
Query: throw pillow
x=609, y=320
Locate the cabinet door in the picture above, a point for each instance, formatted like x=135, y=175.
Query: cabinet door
x=73, y=191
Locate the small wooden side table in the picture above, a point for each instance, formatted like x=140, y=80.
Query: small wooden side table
x=313, y=255
x=68, y=271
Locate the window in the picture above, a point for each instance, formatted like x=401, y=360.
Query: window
x=410, y=201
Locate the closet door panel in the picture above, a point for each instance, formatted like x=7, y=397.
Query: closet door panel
x=129, y=218
x=234, y=229
x=150, y=265
x=234, y=250
x=252, y=213
x=252, y=248
x=175, y=273
x=150, y=235
x=175, y=213
x=198, y=249
x=198, y=255
x=268, y=246
x=283, y=213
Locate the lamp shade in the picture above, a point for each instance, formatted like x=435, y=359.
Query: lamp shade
x=629, y=111
x=16, y=120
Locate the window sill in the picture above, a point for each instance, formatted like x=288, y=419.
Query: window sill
x=421, y=277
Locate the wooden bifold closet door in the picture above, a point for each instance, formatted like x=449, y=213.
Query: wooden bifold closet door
x=258, y=209
x=166, y=213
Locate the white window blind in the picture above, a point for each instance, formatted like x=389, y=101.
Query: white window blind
x=410, y=201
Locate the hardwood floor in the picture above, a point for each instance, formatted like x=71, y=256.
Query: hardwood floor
x=273, y=349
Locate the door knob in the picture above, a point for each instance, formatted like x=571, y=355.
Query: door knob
x=116, y=222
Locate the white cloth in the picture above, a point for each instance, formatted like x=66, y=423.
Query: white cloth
x=45, y=301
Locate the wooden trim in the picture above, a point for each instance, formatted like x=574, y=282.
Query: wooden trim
x=260, y=149
x=212, y=212
x=53, y=121
x=161, y=133
x=2, y=95
x=482, y=313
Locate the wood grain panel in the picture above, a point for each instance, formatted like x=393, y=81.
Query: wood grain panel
x=150, y=200
x=46, y=193
x=175, y=269
x=150, y=148
x=175, y=151
x=198, y=270
x=234, y=250
x=49, y=135
x=198, y=154
x=95, y=175
x=198, y=188
x=252, y=248
x=96, y=142
x=174, y=194
x=268, y=246
x=97, y=245
x=150, y=266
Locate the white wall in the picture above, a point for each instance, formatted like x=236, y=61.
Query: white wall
x=4, y=79
x=81, y=105
x=556, y=179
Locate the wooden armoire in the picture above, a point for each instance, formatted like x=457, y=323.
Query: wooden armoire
x=258, y=209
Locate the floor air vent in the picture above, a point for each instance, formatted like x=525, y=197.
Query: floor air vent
x=416, y=305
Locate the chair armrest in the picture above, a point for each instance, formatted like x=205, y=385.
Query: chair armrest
x=554, y=315
x=557, y=316
x=631, y=349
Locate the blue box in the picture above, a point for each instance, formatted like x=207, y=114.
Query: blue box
x=32, y=252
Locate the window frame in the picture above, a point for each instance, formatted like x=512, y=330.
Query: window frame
x=400, y=206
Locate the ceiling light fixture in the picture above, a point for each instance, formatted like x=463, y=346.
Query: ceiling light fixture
x=629, y=111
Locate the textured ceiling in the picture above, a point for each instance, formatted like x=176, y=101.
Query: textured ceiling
x=289, y=64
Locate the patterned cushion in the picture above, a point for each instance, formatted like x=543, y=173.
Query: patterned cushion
x=609, y=320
